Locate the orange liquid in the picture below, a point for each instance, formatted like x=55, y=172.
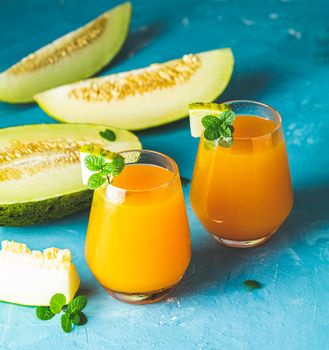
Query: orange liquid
x=141, y=244
x=243, y=192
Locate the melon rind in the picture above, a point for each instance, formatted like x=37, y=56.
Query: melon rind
x=79, y=64
x=58, y=191
x=141, y=111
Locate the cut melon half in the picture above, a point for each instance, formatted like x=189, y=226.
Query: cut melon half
x=40, y=174
x=74, y=56
x=142, y=98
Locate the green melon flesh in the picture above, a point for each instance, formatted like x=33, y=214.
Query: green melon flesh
x=74, y=56
x=137, y=108
x=40, y=173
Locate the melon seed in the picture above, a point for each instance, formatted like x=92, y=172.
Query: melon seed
x=36, y=61
x=67, y=153
x=158, y=76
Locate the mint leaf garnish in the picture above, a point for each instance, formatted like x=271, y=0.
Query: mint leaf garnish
x=228, y=117
x=251, y=285
x=210, y=121
x=95, y=181
x=105, y=169
x=219, y=128
x=108, y=134
x=57, y=302
x=94, y=163
x=43, y=313
x=77, y=304
x=72, y=313
x=66, y=323
x=225, y=141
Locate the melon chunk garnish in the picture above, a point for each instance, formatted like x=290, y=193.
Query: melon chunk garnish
x=198, y=110
x=32, y=277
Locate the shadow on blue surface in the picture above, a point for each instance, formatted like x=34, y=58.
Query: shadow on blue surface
x=215, y=268
x=137, y=41
x=248, y=85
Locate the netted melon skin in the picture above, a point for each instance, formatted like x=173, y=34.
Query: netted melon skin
x=31, y=213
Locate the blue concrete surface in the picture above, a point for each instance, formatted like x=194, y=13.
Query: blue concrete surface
x=282, y=58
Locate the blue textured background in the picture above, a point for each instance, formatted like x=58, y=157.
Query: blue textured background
x=282, y=58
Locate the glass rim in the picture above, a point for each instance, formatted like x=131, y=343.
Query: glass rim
x=273, y=110
x=154, y=188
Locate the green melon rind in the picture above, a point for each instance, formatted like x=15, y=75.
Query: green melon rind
x=38, y=208
x=31, y=213
x=78, y=65
x=212, y=81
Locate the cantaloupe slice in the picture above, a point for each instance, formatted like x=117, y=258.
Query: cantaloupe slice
x=74, y=56
x=142, y=98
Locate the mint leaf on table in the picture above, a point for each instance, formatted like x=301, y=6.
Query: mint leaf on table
x=57, y=302
x=72, y=314
x=44, y=313
x=79, y=319
x=77, y=304
x=66, y=323
x=108, y=135
x=252, y=284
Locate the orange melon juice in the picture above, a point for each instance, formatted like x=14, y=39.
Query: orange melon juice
x=243, y=193
x=138, y=238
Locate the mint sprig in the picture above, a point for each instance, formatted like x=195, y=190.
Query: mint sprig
x=104, y=171
x=219, y=128
x=72, y=315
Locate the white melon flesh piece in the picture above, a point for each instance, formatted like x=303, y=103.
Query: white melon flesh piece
x=33, y=277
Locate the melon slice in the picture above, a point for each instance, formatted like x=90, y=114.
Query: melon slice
x=74, y=56
x=40, y=175
x=142, y=98
x=32, y=277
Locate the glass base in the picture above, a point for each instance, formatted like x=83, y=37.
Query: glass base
x=141, y=298
x=241, y=244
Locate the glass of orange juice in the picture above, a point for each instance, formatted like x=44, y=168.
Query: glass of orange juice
x=138, y=241
x=243, y=193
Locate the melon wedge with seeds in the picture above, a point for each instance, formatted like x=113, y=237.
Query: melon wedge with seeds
x=142, y=98
x=74, y=56
x=40, y=175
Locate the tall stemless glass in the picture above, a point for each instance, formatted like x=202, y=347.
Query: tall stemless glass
x=242, y=194
x=138, y=241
